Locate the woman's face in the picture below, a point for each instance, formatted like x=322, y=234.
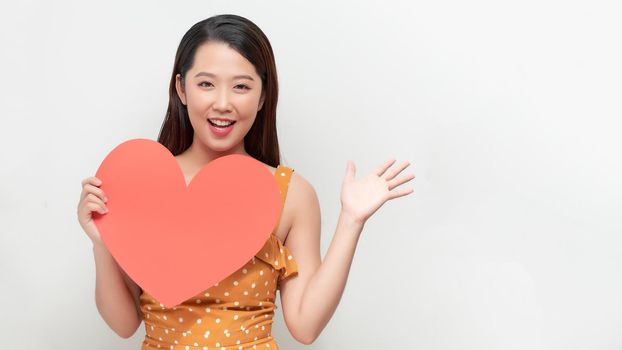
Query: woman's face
x=221, y=84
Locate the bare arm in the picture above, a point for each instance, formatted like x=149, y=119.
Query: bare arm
x=116, y=296
x=325, y=288
x=311, y=298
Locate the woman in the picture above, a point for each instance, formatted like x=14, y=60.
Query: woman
x=222, y=100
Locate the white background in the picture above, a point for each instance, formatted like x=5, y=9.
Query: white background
x=509, y=112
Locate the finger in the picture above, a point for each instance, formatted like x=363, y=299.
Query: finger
x=92, y=206
x=397, y=194
x=350, y=171
x=389, y=175
x=86, y=208
x=91, y=198
x=95, y=190
x=399, y=181
x=92, y=180
x=381, y=169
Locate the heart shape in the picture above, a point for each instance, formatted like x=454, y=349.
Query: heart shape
x=176, y=241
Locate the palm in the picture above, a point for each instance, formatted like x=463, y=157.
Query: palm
x=363, y=197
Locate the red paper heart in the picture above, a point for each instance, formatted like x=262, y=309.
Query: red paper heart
x=174, y=241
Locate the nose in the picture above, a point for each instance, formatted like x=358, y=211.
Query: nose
x=221, y=103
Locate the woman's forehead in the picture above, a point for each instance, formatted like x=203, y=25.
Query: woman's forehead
x=220, y=61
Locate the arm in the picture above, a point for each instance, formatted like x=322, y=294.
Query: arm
x=116, y=296
x=310, y=299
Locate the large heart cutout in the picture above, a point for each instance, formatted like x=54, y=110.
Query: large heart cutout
x=176, y=241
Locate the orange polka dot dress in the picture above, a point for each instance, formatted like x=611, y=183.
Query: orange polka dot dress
x=234, y=314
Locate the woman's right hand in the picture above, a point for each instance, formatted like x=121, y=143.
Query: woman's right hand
x=92, y=199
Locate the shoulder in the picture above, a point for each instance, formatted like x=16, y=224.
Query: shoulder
x=302, y=196
x=300, y=187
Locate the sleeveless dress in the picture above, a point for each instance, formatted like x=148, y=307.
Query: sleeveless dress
x=234, y=314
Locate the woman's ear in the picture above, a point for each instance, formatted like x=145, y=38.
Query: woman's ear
x=261, y=102
x=180, y=89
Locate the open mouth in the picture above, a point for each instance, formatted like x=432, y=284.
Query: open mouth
x=221, y=125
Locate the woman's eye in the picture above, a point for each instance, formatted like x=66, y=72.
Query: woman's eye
x=202, y=84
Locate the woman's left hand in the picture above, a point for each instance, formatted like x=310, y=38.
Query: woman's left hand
x=361, y=198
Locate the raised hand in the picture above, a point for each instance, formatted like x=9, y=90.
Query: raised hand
x=361, y=198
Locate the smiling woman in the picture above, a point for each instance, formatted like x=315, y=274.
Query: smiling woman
x=224, y=70
x=222, y=100
x=223, y=96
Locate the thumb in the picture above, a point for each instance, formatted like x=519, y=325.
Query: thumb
x=350, y=171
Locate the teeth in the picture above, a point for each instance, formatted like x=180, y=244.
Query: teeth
x=220, y=122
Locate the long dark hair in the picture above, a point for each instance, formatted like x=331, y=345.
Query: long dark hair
x=245, y=37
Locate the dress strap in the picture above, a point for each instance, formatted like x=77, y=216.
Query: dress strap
x=282, y=175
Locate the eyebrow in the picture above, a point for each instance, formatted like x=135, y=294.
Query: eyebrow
x=211, y=75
